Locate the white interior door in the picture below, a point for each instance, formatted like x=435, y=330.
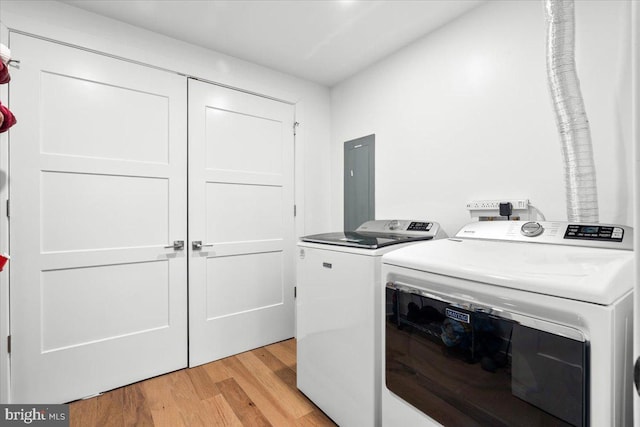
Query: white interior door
x=97, y=190
x=241, y=209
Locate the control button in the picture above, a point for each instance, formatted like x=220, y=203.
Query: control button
x=616, y=234
x=617, y=230
x=394, y=225
x=531, y=229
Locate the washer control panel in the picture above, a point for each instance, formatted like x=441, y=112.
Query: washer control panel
x=403, y=227
x=604, y=233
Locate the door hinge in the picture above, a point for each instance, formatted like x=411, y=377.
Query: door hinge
x=9, y=344
x=295, y=292
x=8, y=204
x=295, y=210
x=295, y=126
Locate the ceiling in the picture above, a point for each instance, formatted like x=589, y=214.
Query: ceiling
x=324, y=41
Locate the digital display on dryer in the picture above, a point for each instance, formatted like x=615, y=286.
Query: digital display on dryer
x=589, y=229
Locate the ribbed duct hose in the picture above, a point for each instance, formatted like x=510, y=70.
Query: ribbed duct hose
x=571, y=117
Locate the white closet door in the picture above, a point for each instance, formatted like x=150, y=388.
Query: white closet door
x=98, y=189
x=241, y=209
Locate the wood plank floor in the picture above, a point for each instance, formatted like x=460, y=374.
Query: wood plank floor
x=256, y=388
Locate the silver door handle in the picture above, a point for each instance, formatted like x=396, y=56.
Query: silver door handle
x=178, y=245
x=197, y=244
x=636, y=375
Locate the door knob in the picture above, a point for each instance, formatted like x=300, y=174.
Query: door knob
x=197, y=244
x=178, y=245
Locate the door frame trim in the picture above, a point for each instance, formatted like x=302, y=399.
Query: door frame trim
x=5, y=372
x=144, y=64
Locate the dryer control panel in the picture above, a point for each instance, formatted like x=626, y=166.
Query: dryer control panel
x=604, y=233
x=607, y=236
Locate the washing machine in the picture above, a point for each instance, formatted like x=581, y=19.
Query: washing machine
x=337, y=316
x=510, y=323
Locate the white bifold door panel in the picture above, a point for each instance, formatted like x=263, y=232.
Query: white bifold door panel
x=98, y=191
x=241, y=268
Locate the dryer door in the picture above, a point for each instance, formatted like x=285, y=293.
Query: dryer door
x=463, y=365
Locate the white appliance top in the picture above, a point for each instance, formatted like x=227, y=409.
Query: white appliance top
x=377, y=234
x=568, y=261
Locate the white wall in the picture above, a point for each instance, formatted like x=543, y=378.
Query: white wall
x=465, y=114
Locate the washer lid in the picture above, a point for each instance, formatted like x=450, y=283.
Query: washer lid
x=378, y=233
x=593, y=275
x=365, y=240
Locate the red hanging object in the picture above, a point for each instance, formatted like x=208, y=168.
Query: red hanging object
x=8, y=118
x=3, y=260
x=4, y=73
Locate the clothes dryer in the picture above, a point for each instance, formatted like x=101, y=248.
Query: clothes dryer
x=338, y=323
x=510, y=323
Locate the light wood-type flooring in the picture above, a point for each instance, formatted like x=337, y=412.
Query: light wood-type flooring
x=256, y=388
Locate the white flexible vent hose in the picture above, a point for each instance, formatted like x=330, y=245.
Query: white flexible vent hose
x=571, y=117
